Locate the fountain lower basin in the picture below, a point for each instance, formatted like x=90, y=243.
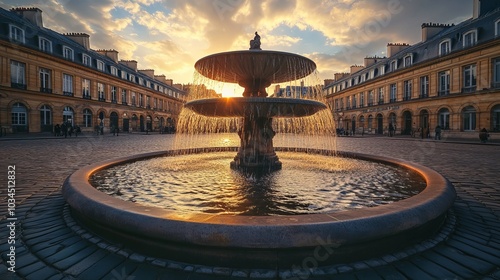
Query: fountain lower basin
x=261, y=241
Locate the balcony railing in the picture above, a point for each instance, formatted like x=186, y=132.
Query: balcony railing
x=114, y=101
x=406, y=98
x=18, y=85
x=443, y=92
x=468, y=89
x=380, y=102
x=45, y=90
x=392, y=100
x=67, y=93
x=495, y=85
x=423, y=96
x=370, y=103
x=87, y=97
x=124, y=102
x=102, y=99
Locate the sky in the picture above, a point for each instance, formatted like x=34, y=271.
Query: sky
x=169, y=36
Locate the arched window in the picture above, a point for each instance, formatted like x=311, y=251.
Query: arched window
x=444, y=118
x=19, y=114
x=87, y=118
x=469, y=118
x=469, y=38
x=495, y=118
x=370, y=121
x=445, y=47
x=68, y=114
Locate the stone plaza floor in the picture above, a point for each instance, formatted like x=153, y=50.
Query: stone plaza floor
x=50, y=245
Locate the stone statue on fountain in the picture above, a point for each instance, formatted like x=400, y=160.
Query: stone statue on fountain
x=255, y=43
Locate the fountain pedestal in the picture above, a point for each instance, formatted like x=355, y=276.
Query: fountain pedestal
x=256, y=152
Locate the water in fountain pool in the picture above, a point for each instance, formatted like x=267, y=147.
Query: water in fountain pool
x=307, y=184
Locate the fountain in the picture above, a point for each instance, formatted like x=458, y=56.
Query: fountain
x=274, y=242
x=255, y=70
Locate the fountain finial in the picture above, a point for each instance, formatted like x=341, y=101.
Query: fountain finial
x=255, y=43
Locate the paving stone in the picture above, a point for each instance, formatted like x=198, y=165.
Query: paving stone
x=74, y=258
x=102, y=268
x=83, y=264
x=449, y=264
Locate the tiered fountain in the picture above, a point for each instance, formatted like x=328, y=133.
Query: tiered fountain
x=255, y=70
x=270, y=241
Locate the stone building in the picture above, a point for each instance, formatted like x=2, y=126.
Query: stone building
x=47, y=78
x=451, y=79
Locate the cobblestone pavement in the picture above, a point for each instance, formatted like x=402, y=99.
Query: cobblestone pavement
x=50, y=245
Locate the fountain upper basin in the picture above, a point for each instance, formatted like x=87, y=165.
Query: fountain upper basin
x=257, y=106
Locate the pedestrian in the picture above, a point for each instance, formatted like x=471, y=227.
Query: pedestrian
x=483, y=135
x=57, y=130
x=77, y=130
x=113, y=129
x=391, y=130
x=437, y=132
x=70, y=129
x=64, y=130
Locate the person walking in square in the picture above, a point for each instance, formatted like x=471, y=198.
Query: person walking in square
x=437, y=132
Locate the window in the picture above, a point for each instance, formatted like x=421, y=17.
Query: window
x=424, y=86
x=354, y=101
x=114, y=71
x=394, y=65
x=470, y=38
x=68, y=53
x=382, y=70
x=496, y=73
x=140, y=100
x=131, y=78
x=348, y=102
x=408, y=60
x=68, y=115
x=100, y=92
x=370, y=122
x=19, y=115
x=155, y=103
x=469, y=74
x=362, y=99
x=341, y=103
x=407, y=90
x=469, y=118
x=370, y=98
x=16, y=34
x=86, y=89
x=18, y=74
x=444, y=118
x=67, y=85
x=100, y=66
x=380, y=95
x=148, y=84
x=133, y=98
x=495, y=118
x=45, y=45
x=124, y=96
x=393, y=93
x=45, y=85
x=148, y=102
x=497, y=28
x=113, y=94
x=87, y=118
x=141, y=81
x=86, y=60
x=45, y=115
x=445, y=47
x=444, y=83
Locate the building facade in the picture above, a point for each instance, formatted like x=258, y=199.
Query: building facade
x=47, y=78
x=451, y=79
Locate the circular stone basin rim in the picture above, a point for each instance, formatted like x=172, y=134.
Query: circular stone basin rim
x=292, y=231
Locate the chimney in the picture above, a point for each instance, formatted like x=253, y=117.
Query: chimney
x=430, y=29
x=356, y=68
x=130, y=64
x=329, y=81
x=393, y=48
x=148, y=72
x=482, y=7
x=340, y=76
x=33, y=15
x=161, y=78
x=81, y=38
x=169, y=82
x=369, y=61
x=113, y=54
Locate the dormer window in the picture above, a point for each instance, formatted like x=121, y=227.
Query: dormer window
x=86, y=60
x=16, y=34
x=445, y=47
x=114, y=71
x=131, y=78
x=394, y=65
x=68, y=53
x=382, y=70
x=141, y=81
x=497, y=28
x=44, y=45
x=100, y=66
x=408, y=60
x=470, y=38
x=124, y=75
